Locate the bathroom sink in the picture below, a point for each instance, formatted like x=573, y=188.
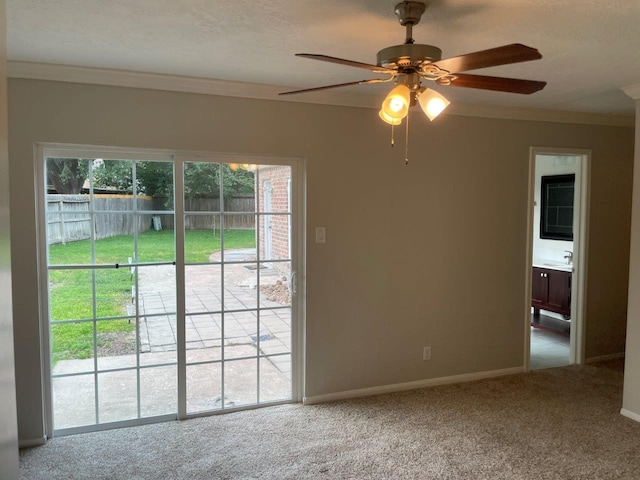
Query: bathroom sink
x=553, y=265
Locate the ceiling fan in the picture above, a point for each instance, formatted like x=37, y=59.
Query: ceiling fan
x=410, y=63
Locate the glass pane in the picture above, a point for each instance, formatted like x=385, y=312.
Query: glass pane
x=73, y=401
x=67, y=176
x=114, y=292
x=240, y=286
x=116, y=344
x=156, y=289
x=203, y=331
x=240, y=334
x=117, y=396
x=201, y=187
x=275, y=378
x=158, y=335
x=206, y=338
x=158, y=391
x=204, y=387
x=113, y=237
x=203, y=288
x=274, y=188
x=111, y=178
x=277, y=324
x=76, y=252
x=274, y=284
x=202, y=238
x=239, y=235
x=240, y=382
x=69, y=230
x=72, y=347
x=274, y=237
x=154, y=184
x=70, y=294
x=157, y=245
x=239, y=188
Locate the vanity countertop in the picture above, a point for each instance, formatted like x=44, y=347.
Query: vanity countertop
x=553, y=265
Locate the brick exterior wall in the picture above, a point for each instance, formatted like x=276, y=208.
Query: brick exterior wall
x=277, y=179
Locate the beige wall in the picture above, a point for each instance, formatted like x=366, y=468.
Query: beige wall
x=631, y=399
x=8, y=423
x=432, y=253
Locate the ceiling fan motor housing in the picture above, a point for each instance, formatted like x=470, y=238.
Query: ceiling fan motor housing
x=408, y=56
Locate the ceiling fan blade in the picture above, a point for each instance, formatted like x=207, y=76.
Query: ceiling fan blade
x=342, y=61
x=513, y=53
x=337, y=85
x=499, y=84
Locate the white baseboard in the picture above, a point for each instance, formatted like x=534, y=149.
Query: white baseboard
x=602, y=358
x=400, y=387
x=629, y=414
x=32, y=442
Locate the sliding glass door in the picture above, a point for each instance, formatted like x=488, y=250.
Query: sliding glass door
x=170, y=286
x=238, y=299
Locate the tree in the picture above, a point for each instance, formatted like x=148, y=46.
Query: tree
x=67, y=175
x=203, y=179
x=113, y=175
x=152, y=178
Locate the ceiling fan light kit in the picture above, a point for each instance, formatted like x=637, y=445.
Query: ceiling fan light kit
x=390, y=120
x=432, y=103
x=396, y=105
x=409, y=64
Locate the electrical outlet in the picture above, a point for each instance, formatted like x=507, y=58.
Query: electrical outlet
x=426, y=353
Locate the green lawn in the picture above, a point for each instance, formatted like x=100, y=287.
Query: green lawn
x=71, y=292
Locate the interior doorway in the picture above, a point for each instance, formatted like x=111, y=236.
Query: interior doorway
x=159, y=298
x=556, y=257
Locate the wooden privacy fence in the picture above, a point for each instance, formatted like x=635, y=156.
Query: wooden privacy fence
x=68, y=217
x=238, y=210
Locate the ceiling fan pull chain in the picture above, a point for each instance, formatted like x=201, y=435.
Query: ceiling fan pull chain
x=406, y=143
x=392, y=141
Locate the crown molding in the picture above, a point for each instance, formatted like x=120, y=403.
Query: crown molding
x=541, y=115
x=209, y=86
x=175, y=83
x=633, y=91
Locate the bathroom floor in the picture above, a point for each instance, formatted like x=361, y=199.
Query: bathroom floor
x=549, y=348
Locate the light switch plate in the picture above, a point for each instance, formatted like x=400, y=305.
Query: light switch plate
x=321, y=235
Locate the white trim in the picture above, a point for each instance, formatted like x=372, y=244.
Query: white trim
x=178, y=158
x=40, y=190
x=32, y=442
x=299, y=299
x=602, y=358
x=529, y=261
x=177, y=83
x=211, y=86
x=633, y=91
x=540, y=115
x=629, y=414
x=400, y=387
x=580, y=247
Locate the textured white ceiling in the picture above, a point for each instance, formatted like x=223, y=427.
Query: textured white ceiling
x=590, y=48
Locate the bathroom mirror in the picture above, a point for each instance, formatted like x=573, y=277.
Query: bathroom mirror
x=556, y=216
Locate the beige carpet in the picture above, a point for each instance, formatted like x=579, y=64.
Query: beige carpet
x=561, y=423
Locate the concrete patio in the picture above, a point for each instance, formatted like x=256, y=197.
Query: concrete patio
x=208, y=337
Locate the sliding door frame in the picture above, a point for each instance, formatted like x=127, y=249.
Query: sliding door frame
x=178, y=158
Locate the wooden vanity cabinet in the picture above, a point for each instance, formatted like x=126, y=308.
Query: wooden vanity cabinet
x=551, y=290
